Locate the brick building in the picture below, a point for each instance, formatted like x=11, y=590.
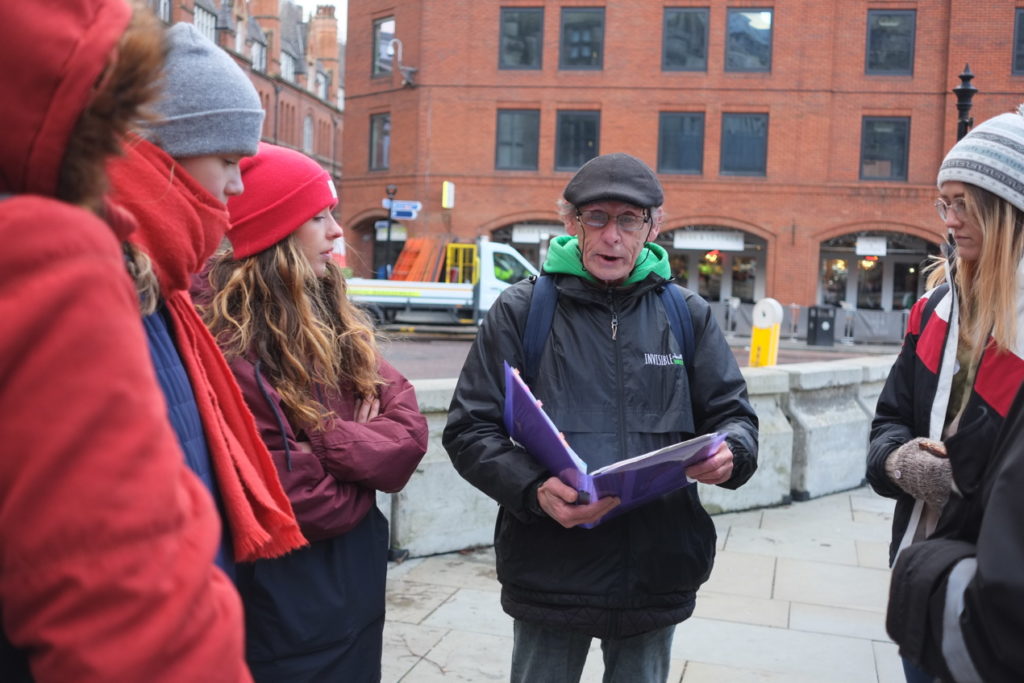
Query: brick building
x=797, y=140
x=296, y=66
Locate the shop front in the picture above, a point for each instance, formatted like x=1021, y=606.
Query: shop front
x=874, y=277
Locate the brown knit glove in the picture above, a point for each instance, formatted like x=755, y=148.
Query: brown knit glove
x=920, y=467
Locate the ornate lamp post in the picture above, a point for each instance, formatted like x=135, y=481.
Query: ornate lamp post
x=964, y=92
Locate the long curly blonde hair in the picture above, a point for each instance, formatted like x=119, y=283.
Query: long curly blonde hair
x=307, y=335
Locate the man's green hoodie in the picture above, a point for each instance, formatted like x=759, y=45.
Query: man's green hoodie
x=564, y=257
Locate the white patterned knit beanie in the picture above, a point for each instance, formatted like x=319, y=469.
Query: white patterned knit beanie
x=207, y=104
x=991, y=157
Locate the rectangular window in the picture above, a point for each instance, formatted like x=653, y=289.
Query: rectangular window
x=522, y=38
x=163, y=10
x=685, y=39
x=287, y=67
x=680, y=142
x=576, y=139
x=380, y=142
x=1018, y=44
x=884, y=148
x=206, y=23
x=259, y=56
x=890, y=42
x=582, y=38
x=383, y=33
x=748, y=40
x=744, y=144
x=517, y=139
x=239, y=35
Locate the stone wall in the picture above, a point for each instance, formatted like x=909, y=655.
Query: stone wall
x=814, y=422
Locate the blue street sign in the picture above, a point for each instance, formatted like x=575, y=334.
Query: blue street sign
x=403, y=214
x=405, y=205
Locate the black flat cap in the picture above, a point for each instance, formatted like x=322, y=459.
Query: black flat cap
x=618, y=177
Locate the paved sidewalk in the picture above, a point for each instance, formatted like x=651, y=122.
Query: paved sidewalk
x=797, y=595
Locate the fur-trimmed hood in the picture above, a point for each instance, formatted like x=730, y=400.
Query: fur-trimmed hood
x=53, y=54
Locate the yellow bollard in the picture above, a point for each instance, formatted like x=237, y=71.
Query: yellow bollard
x=764, y=335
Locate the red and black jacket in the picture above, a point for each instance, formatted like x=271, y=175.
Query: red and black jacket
x=905, y=406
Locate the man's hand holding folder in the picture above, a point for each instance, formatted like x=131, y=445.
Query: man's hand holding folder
x=562, y=503
x=574, y=497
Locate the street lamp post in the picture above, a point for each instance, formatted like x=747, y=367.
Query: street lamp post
x=391, y=191
x=964, y=94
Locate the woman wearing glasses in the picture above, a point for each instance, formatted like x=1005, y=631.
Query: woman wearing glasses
x=962, y=360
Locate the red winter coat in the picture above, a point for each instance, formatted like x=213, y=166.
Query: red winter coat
x=106, y=539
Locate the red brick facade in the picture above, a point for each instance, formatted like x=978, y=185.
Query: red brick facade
x=815, y=95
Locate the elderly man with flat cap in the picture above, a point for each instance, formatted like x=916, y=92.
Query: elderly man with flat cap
x=610, y=367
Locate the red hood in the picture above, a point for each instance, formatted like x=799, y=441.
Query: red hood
x=52, y=55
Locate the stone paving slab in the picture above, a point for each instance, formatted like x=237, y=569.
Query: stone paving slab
x=797, y=595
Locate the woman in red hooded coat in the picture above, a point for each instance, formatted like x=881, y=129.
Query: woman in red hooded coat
x=106, y=538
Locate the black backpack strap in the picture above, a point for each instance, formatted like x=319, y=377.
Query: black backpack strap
x=682, y=324
x=933, y=302
x=538, y=322
x=542, y=313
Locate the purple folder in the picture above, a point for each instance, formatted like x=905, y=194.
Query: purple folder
x=635, y=481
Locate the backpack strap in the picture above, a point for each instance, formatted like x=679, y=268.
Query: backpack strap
x=682, y=324
x=542, y=313
x=538, y=322
x=933, y=302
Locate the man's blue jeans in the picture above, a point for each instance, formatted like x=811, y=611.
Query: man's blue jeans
x=542, y=654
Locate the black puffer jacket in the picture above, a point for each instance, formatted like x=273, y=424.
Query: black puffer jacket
x=613, y=399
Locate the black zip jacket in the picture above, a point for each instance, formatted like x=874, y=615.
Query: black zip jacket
x=603, y=380
x=956, y=602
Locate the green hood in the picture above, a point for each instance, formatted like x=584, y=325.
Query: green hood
x=564, y=257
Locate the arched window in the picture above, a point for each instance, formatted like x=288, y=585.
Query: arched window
x=307, y=134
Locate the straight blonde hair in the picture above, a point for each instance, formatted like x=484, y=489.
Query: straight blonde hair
x=988, y=286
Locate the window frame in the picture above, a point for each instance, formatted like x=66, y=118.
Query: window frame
x=562, y=114
x=906, y=150
x=722, y=170
x=287, y=66
x=706, y=11
x=498, y=139
x=566, y=12
x=259, y=56
x=903, y=71
x=205, y=21
x=308, y=135
x=501, y=39
x=663, y=118
x=771, y=39
x=377, y=70
x=374, y=163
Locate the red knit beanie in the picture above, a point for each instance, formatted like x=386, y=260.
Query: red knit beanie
x=283, y=190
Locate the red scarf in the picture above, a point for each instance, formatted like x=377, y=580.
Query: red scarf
x=180, y=225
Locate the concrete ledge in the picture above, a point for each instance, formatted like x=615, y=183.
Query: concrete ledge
x=814, y=420
x=771, y=484
x=875, y=372
x=830, y=428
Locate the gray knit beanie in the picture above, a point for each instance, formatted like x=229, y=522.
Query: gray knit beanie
x=207, y=103
x=991, y=157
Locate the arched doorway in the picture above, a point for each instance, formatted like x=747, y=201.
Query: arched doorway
x=368, y=246
x=874, y=276
x=873, y=270
x=717, y=262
